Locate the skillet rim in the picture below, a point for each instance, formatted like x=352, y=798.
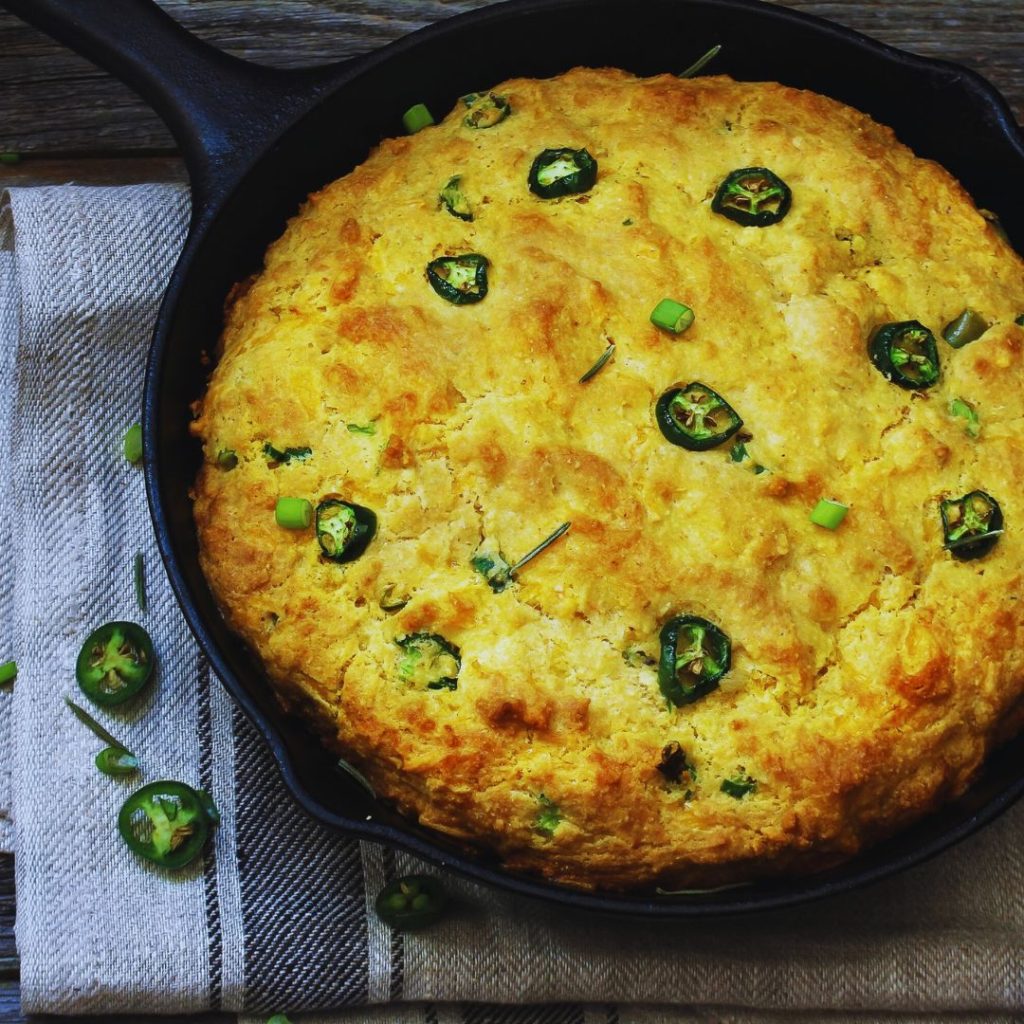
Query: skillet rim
x=762, y=895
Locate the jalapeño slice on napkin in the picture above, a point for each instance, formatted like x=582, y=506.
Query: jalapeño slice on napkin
x=415, y=901
x=167, y=823
x=115, y=663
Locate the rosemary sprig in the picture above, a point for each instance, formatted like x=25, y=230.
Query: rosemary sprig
x=90, y=723
x=599, y=365
x=962, y=542
x=545, y=543
x=356, y=774
x=700, y=63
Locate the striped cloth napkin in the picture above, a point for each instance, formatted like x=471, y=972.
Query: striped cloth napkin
x=278, y=919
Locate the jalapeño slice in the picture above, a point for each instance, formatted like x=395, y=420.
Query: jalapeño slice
x=454, y=200
x=165, y=822
x=415, y=901
x=695, y=417
x=562, y=172
x=115, y=663
x=486, y=109
x=344, y=529
x=971, y=525
x=906, y=354
x=753, y=197
x=428, y=661
x=695, y=654
x=461, y=280
x=117, y=762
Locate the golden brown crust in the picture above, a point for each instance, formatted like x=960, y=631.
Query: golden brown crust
x=871, y=672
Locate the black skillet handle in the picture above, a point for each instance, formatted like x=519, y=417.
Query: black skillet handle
x=221, y=109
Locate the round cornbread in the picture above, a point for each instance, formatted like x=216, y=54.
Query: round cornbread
x=872, y=670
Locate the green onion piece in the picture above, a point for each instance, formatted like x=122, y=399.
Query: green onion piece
x=967, y=327
x=227, y=458
x=828, y=513
x=672, y=316
x=94, y=727
x=739, y=785
x=628, y=222
x=8, y=672
x=599, y=365
x=117, y=762
x=139, y=575
x=738, y=452
x=279, y=1018
x=417, y=117
x=548, y=817
x=700, y=63
x=133, y=443
x=10, y=158
x=369, y=429
x=545, y=543
x=293, y=513
x=965, y=411
x=1019, y=321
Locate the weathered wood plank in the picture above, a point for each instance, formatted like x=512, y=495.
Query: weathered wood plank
x=54, y=102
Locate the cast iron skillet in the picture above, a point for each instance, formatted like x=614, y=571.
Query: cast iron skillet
x=257, y=141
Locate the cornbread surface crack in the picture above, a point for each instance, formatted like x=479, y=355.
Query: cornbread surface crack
x=871, y=671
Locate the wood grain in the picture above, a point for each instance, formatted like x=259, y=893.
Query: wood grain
x=54, y=102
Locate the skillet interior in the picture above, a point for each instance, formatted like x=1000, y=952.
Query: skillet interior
x=941, y=111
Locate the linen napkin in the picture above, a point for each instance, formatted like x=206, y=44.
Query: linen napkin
x=278, y=917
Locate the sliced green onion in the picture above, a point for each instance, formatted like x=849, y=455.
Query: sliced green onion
x=293, y=513
x=94, y=727
x=738, y=452
x=8, y=672
x=279, y=1018
x=132, y=443
x=545, y=543
x=962, y=409
x=739, y=785
x=672, y=316
x=416, y=118
x=1019, y=321
x=967, y=327
x=139, y=575
x=549, y=817
x=369, y=429
x=700, y=63
x=599, y=365
x=227, y=458
x=829, y=513
x=117, y=762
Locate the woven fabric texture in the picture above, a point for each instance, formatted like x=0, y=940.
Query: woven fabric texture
x=278, y=917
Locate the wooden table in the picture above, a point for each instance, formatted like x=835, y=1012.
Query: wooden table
x=71, y=122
